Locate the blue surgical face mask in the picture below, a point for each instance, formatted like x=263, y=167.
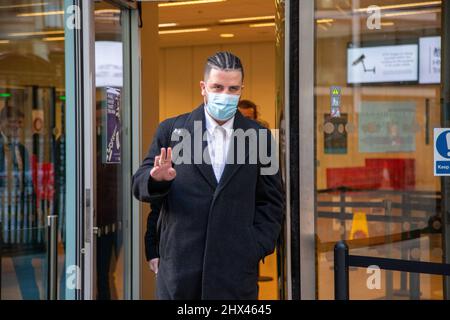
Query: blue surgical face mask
x=222, y=106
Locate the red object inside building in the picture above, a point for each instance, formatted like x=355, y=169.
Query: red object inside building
x=395, y=174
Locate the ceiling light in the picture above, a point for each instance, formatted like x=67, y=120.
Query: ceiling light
x=54, y=39
x=319, y=21
x=227, y=35
x=38, y=4
x=4, y=41
x=36, y=33
x=183, y=30
x=103, y=11
x=39, y=14
x=259, y=25
x=183, y=3
x=165, y=25
x=247, y=19
x=403, y=6
x=409, y=13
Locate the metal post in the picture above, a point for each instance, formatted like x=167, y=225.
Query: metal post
x=414, y=278
x=52, y=257
x=389, y=274
x=342, y=199
x=341, y=271
x=404, y=251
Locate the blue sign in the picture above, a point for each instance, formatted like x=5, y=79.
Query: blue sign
x=442, y=152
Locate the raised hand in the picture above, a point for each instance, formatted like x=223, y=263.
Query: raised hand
x=162, y=169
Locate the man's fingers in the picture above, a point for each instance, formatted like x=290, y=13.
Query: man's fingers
x=154, y=264
x=163, y=156
x=156, y=162
x=169, y=155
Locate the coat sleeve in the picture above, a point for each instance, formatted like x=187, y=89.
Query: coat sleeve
x=152, y=234
x=145, y=188
x=269, y=206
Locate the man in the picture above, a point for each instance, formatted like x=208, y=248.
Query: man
x=250, y=110
x=20, y=238
x=217, y=218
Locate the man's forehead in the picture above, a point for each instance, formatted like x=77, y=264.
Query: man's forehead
x=217, y=75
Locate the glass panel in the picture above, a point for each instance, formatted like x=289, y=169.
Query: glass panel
x=32, y=147
x=377, y=102
x=111, y=169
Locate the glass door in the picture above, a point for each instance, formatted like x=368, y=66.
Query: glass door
x=112, y=145
x=377, y=98
x=32, y=149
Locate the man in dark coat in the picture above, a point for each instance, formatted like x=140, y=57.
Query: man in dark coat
x=220, y=216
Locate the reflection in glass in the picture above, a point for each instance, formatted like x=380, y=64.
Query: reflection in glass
x=32, y=148
x=110, y=163
x=375, y=184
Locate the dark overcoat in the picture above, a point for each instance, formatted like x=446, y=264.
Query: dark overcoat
x=211, y=236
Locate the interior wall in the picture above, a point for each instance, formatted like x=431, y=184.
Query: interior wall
x=149, y=119
x=181, y=70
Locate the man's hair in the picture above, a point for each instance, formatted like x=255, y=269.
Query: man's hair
x=225, y=61
x=247, y=104
x=9, y=112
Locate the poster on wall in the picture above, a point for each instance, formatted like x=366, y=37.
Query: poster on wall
x=387, y=126
x=108, y=64
x=113, y=126
x=383, y=64
x=430, y=60
x=335, y=134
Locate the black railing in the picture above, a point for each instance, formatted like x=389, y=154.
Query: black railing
x=426, y=206
x=343, y=261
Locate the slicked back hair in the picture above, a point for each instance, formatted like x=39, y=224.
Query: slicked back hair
x=225, y=61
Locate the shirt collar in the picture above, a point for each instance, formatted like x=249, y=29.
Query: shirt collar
x=211, y=124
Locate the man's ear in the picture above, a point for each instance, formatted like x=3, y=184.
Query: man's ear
x=202, y=87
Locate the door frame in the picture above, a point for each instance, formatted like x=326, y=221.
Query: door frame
x=81, y=173
x=445, y=122
x=307, y=149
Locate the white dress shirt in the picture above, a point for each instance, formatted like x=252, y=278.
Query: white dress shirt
x=218, y=143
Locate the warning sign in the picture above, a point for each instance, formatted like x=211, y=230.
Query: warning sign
x=360, y=229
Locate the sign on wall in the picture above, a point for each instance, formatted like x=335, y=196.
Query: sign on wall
x=430, y=60
x=113, y=126
x=441, y=151
x=387, y=126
